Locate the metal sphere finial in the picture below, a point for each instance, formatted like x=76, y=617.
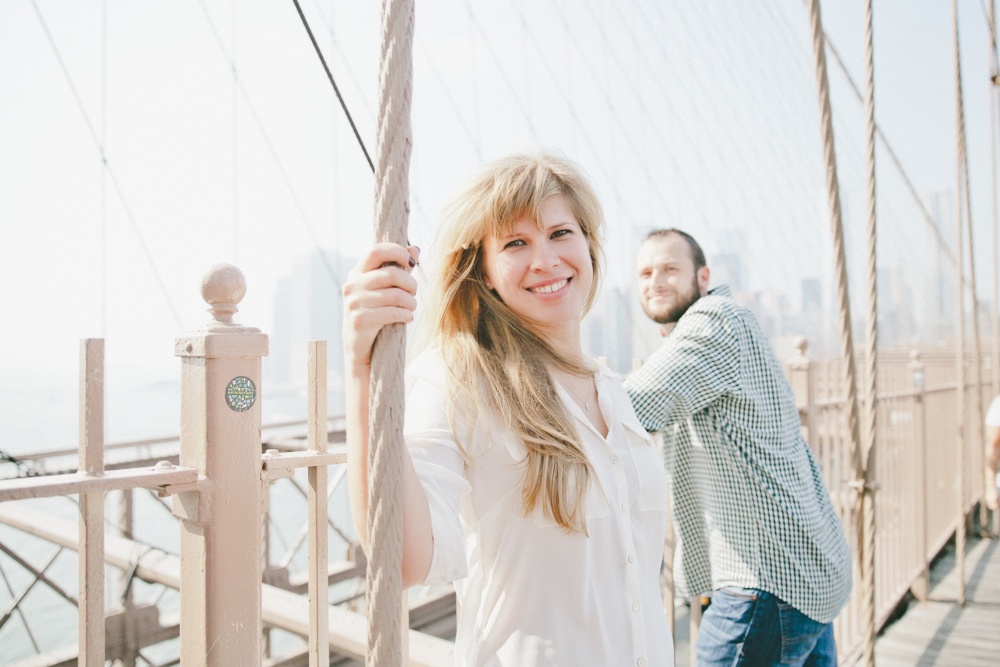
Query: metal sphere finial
x=222, y=288
x=801, y=343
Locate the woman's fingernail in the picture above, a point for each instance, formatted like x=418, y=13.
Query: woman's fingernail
x=413, y=263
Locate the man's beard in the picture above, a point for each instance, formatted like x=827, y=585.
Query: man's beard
x=674, y=313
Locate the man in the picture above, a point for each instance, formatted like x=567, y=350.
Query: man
x=754, y=519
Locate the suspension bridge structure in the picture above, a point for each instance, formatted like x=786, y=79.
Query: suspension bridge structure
x=228, y=541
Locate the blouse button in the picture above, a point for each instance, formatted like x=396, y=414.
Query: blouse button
x=635, y=607
x=624, y=507
x=631, y=558
x=614, y=459
x=640, y=662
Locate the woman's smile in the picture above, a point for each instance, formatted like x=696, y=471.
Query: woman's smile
x=550, y=288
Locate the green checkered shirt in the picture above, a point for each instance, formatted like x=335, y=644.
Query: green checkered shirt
x=749, y=501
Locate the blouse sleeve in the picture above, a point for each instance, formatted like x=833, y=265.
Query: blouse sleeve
x=439, y=465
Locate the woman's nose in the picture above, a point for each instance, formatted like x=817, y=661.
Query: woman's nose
x=544, y=257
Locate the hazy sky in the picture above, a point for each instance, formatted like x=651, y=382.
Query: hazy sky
x=701, y=115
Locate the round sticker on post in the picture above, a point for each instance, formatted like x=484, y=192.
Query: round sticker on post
x=241, y=394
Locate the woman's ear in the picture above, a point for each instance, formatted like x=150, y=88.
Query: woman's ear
x=489, y=283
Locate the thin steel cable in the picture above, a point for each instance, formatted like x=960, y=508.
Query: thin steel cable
x=871, y=357
x=737, y=138
x=638, y=160
x=571, y=109
x=977, y=367
x=234, y=102
x=387, y=396
x=928, y=218
x=960, y=335
x=104, y=175
x=527, y=116
x=748, y=157
x=328, y=24
x=303, y=216
x=848, y=371
x=329, y=75
x=24, y=619
x=107, y=167
x=451, y=101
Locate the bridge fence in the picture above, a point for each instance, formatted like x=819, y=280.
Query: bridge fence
x=222, y=473
x=916, y=504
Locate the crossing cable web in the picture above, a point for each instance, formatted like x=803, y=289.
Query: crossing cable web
x=292, y=192
x=107, y=168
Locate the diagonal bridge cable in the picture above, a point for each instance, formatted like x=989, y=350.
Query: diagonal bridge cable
x=329, y=75
x=303, y=216
x=107, y=168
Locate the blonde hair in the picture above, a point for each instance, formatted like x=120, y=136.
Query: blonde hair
x=497, y=359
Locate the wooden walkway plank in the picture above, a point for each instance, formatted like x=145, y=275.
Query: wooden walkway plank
x=939, y=632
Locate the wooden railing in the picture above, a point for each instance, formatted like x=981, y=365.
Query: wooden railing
x=221, y=479
x=916, y=504
x=221, y=472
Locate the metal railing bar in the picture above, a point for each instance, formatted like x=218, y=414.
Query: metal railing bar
x=40, y=575
x=74, y=483
x=151, y=441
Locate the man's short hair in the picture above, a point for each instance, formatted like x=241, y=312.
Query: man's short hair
x=697, y=254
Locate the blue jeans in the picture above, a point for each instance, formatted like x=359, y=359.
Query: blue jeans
x=749, y=627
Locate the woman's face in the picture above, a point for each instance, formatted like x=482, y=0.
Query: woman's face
x=543, y=275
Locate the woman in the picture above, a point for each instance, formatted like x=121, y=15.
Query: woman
x=530, y=482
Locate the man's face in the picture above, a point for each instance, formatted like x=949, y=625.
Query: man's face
x=668, y=282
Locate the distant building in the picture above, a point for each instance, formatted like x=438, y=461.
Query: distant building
x=608, y=328
x=727, y=269
x=307, y=306
x=939, y=278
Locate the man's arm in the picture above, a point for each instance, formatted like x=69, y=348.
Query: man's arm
x=696, y=364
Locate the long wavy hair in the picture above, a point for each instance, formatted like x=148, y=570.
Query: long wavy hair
x=499, y=361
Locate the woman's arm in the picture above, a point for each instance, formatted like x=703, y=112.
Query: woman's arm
x=378, y=293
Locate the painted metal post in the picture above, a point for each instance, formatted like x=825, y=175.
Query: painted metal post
x=921, y=586
x=91, y=603
x=221, y=523
x=319, y=603
x=801, y=373
x=131, y=645
x=960, y=406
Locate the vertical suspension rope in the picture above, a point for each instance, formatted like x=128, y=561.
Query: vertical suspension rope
x=994, y=75
x=977, y=372
x=385, y=447
x=871, y=360
x=849, y=374
x=960, y=334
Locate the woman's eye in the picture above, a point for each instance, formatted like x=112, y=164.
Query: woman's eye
x=561, y=232
x=513, y=244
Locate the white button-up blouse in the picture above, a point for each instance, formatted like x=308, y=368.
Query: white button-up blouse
x=529, y=592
